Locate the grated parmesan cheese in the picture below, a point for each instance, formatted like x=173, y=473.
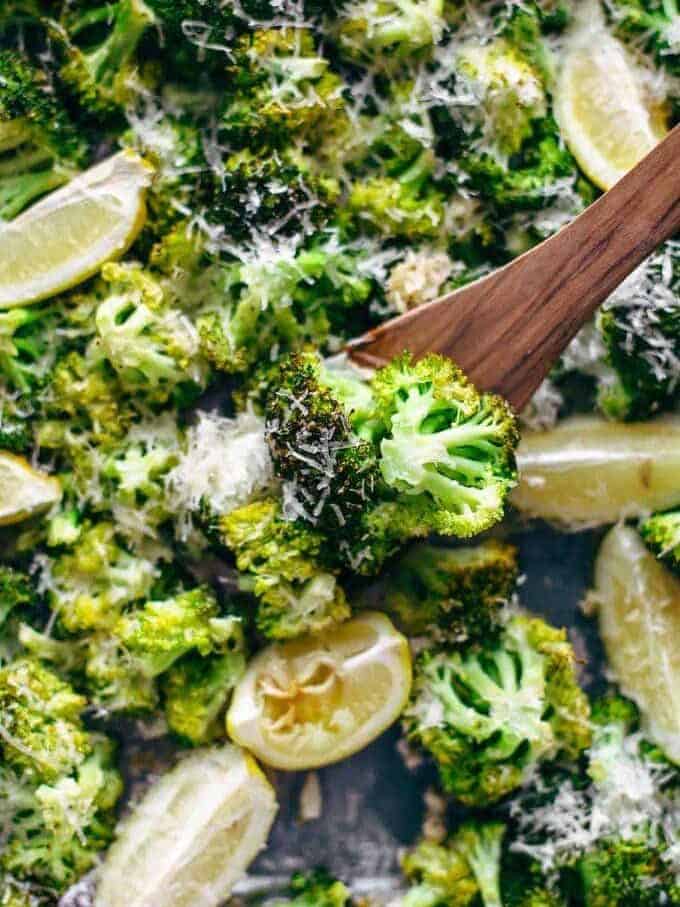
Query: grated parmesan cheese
x=225, y=464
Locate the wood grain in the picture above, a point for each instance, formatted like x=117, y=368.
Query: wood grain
x=508, y=329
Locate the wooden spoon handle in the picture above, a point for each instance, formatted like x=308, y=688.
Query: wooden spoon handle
x=508, y=329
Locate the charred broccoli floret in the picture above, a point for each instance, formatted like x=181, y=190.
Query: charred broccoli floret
x=329, y=471
x=382, y=31
x=654, y=23
x=316, y=889
x=489, y=716
x=453, y=594
x=16, y=590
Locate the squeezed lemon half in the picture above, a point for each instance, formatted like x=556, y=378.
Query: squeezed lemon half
x=313, y=701
x=71, y=233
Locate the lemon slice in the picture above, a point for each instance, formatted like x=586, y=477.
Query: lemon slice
x=192, y=836
x=24, y=491
x=638, y=604
x=587, y=471
x=316, y=700
x=67, y=237
x=605, y=118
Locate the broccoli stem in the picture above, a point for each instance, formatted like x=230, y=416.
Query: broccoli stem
x=130, y=21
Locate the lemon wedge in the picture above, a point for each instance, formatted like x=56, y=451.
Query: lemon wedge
x=24, y=491
x=316, y=700
x=587, y=471
x=67, y=237
x=606, y=120
x=637, y=601
x=192, y=836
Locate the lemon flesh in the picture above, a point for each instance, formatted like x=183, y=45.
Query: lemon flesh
x=71, y=233
x=606, y=120
x=310, y=702
x=24, y=491
x=638, y=605
x=587, y=472
x=193, y=836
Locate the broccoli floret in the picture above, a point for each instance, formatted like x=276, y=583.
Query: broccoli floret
x=283, y=89
x=276, y=194
x=640, y=327
x=285, y=303
x=510, y=92
x=283, y=566
x=83, y=403
x=16, y=431
x=152, y=347
x=316, y=889
x=387, y=31
x=15, y=591
x=158, y=633
x=40, y=147
x=42, y=734
x=28, y=347
x=409, y=205
x=446, y=442
x=603, y=832
x=490, y=716
x=98, y=42
x=330, y=473
x=661, y=534
x=196, y=692
x=655, y=23
x=454, y=594
x=439, y=876
x=59, y=827
x=91, y=583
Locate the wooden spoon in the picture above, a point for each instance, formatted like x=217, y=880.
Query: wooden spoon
x=507, y=330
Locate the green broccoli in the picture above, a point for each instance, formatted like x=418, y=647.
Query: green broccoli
x=661, y=533
x=196, y=692
x=447, y=443
x=640, y=328
x=282, y=564
x=655, y=23
x=98, y=43
x=283, y=89
x=490, y=716
x=316, y=889
x=329, y=471
x=158, y=633
x=28, y=345
x=16, y=590
x=40, y=148
x=454, y=594
x=387, y=31
x=439, y=876
x=90, y=583
x=42, y=734
x=57, y=828
x=154, y=349
x=605, y=832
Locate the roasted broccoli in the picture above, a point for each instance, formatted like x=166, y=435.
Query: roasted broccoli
x=661, y=534
x=40, y=147
x=490, y=715
x=282, y=565
x=98, y=43
x=316, y=889
x=446, y=444
x=451, y=594
x=640, y=328
x=654, y=23
x=58, y=782
x=606, y=832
